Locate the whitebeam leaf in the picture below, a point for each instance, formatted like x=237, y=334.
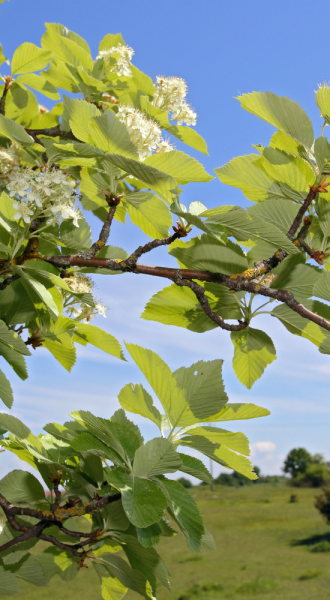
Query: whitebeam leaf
x=144, y=503
x=254, y=350
x=156, y=457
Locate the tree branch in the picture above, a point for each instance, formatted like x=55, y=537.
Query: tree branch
x=202, y=299
x=8, y=81
x=53, y=132
x=132, y=260
x=113, y=202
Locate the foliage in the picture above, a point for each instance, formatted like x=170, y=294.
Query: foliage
x=297, y=461
x=103, y=149
x=315, y=475
x=322, y=503
x=185, y=482
x=116, y=481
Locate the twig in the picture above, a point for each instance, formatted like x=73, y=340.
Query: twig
x=53, y=132
x=73, y=548
x=297, y=221
x=113, y=202
x=8, y=81
x=8, y=281
x=132, y=260
x=202, y=299
x=28, y=534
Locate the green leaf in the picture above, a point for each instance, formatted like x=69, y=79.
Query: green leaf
x=98, y=338
x=155, y=113
x=15, y=360
x=322, y=287
x=195, y=467
x=238, y=223
x=292, y=171
x=112, y=589
x=66, y=45
x=136, y=399
x=12, y=340
x=28, y=58
x=280, y=213
x=207, y=254
x=8, y=583
x=234, y=412
x=128, y=577
x=323, y=211
x=161, y=183
x=40, y=84
x=204, y=392
x=178, y=306
x=220, y=454
x=30, y=570
x=6, y=392
x=143, y=502
x=146, y=561
x=161, y=379
x=217, y=231
x=247, y=174
x=110, y=40
x=149, y=536
x=300, y=326
x=110, y=135
x=15, y=132
x=156, y=457
x=61, y=348
x=143, y=82
x=183, y=509
x=300, y=279
x=322, y=100
x=179, y=165
x=79, y=113
x=150, y=213
x=282, y=113
x=188, y=136
x=21, y=486
x=75, y=238
x=235, y=441
x=254, y=350
x=37, y=291
x=2, y=56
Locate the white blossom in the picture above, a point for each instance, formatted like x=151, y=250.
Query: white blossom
x=144, y=132
x=170, y=95
x=123, y=56
x=101, y=309
x=164, y=146
x=80, y=284
x=9, y=164
x=22, y=211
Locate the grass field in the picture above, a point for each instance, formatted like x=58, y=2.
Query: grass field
x=266, y=547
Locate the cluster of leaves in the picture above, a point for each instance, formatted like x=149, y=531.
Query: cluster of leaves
x=95, y=458
x=91, y=145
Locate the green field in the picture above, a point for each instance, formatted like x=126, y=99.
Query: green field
x=265, y=548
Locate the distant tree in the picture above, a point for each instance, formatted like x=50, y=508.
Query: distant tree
x=185, y=482
x=315, y=475
x=297, y=462
x=257, y=471
x=322, y=503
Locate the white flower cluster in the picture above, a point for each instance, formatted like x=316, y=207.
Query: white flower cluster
x=82, y=284
x=49, y=193
x=144, y=132
x=170, y=95
x=9, y=165
x=123, y=56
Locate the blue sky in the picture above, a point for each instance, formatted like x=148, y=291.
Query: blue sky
x=222, y=50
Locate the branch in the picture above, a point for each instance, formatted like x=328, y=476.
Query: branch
x=202, y=299
x=297, y=221
x=28, y=534
x=73, y=548
x=132, y=260
x=8, y=81
x=113, y=202
x=8, y=281
x=53, y=132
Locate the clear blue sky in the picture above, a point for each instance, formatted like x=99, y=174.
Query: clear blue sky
x=222, y=49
